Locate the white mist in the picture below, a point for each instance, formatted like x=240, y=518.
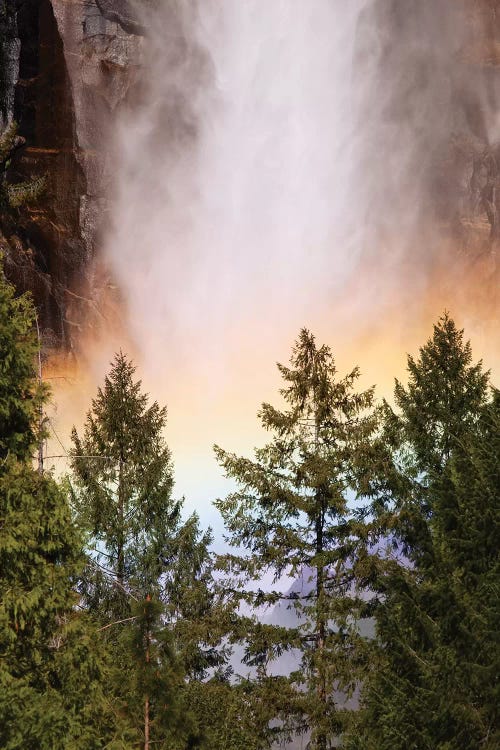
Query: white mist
x=234, y=223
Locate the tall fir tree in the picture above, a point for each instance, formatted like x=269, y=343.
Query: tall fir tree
x=21, y=395
x=416, y=696
x=291, y=517
x=142, y=555
x=123, y=500
x=442, y=400
x=467, y=531
x=48, y=662
x=153, y=685
x=231, y=714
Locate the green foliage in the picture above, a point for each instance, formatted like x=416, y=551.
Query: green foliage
x=145, y=565
x=442, y=400
x=391, y=512
x=195, y=602
x=123, y=473
x=231, y=716
x=21, y=193
x=466, y=539
x=122, y=500
x=48, y=663
x=20, y=394
x=149, y=677
x=292, y=516
x=431, y=682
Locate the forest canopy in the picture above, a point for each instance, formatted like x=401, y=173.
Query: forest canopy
x=121, y=626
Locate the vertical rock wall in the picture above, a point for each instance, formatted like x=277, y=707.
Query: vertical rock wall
x=67, y=67
x=9, y=59
x=432, y=107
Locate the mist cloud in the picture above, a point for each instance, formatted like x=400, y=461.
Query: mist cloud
x=295, y=163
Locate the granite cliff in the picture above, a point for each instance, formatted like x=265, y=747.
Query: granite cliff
x=66, y=67
x=434, y=70
x=69, y=67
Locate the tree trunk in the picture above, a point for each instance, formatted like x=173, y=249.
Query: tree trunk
x=120, y=563
x=321, y=739
x=146, y=700
x=146, y=723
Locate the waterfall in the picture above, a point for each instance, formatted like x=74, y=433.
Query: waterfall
x=234, y=172
x=284, y=165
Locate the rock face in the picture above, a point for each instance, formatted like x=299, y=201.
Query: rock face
x=67, y=66
x=433, y=103
x=9, y=60
x=121, y=12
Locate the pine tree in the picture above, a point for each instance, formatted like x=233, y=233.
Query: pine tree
x=142, y=556
x=195, y=602
x=153, y=688
x=50, y=689
x=20, y=393
x=442, y=400
x=123, y=473
x=466, y=531
x=230, y=714
x=416, y=695
x=292, y=516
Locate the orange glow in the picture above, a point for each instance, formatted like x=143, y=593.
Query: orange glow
x=217, y=400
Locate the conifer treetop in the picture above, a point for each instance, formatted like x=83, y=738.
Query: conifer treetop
x=124, y=479
x=291, y=515
x=443, y=397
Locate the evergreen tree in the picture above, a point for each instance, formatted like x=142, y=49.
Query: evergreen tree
x=153, y=688
x=50, y=689
x=442, y=400
x=292, y=516
x=231, y=714
x=123, y=474
x=467, y=531
x=21, y=395
x=195, y=602
x=142, y=556
x=416, y=696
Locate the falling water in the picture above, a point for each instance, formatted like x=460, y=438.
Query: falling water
x=278, y=169
x=233, y=198
x=231, y=227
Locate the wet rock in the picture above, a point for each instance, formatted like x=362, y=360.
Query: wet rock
x=67, y=67
x=65, y=70
x=121, y=12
